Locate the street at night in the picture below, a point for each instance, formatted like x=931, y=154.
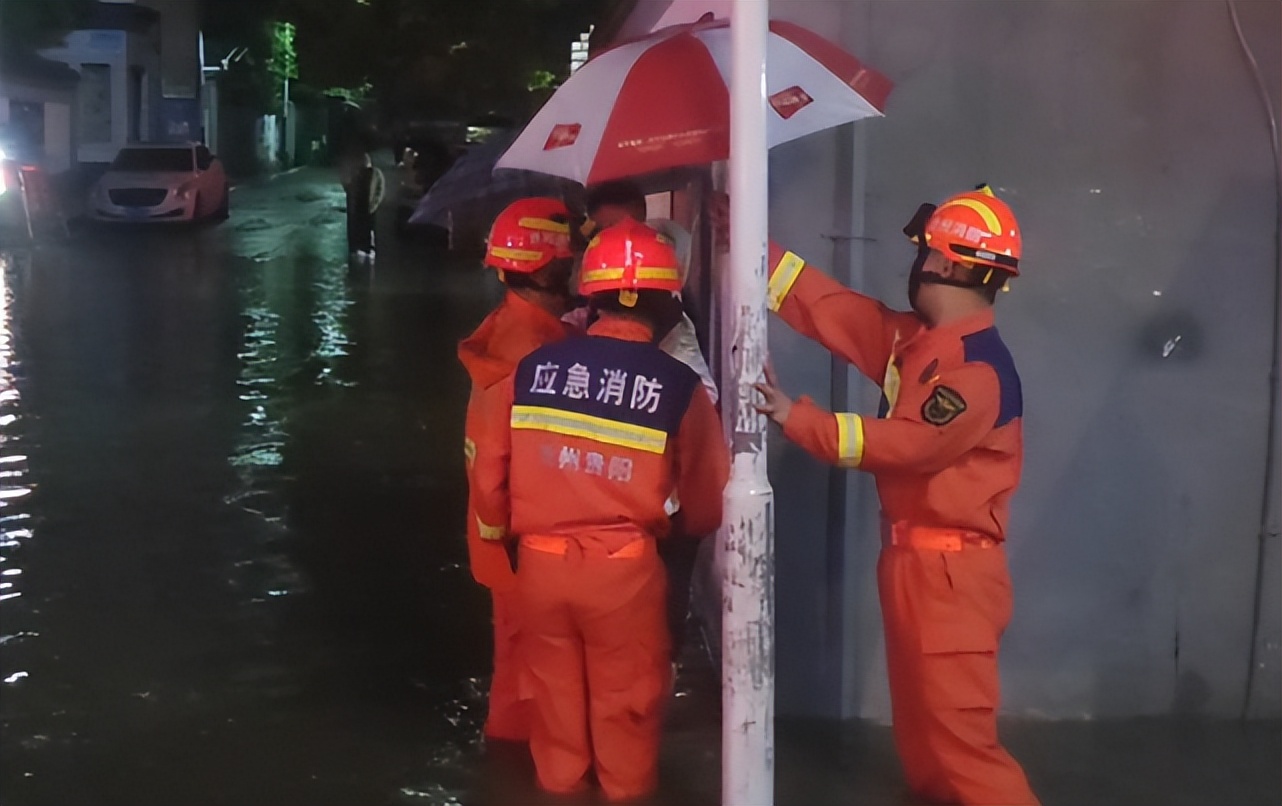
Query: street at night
x=232, y=548
x=544, y=403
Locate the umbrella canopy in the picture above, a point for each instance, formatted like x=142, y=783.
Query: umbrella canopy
x=662, y=101
x=472, y=192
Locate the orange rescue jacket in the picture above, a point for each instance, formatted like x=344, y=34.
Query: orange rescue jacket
x=511, y=332
x=947, y=446
x=591, y=437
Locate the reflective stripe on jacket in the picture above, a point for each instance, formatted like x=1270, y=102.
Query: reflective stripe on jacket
x=947, y=446
x=592, y=436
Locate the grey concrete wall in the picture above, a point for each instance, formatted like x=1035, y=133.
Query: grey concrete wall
x=1131, y=142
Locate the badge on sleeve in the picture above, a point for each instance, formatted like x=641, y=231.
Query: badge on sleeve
x=943, y=406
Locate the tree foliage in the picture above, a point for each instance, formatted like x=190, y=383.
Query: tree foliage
x=33, y=24
x=431, y=57
x=443, y=56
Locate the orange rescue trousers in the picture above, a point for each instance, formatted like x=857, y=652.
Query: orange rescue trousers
x=944, y=611
x=510, y=709
x=595, y=648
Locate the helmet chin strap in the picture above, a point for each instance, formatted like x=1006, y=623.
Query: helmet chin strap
x=935, y=279
x=919, y=276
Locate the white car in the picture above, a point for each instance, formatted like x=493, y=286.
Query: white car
x=157, y=182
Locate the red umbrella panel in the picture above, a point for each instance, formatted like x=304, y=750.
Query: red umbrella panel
x=663, y=101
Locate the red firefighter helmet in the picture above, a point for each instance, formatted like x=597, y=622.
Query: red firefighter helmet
x=528, y=235
x=976, y=227
x=629, y=257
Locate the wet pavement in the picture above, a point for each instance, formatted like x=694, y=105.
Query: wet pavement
x=231, y=524
x=231, y=553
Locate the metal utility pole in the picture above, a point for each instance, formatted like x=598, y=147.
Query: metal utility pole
x=747, y=538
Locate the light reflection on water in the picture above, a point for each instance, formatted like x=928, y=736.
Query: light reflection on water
x=16, y=528
x=160, y=661
x=291, y=339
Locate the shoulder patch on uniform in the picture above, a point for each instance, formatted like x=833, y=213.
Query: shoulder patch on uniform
x=943, y=406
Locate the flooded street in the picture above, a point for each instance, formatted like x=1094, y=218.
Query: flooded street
x=232, y=523
x=232, y=555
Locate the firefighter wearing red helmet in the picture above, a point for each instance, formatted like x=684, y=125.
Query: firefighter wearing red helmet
x=529, y=244
x=591, y=439
x=946, y=450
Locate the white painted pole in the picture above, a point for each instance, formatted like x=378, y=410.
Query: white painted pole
x=747, y=539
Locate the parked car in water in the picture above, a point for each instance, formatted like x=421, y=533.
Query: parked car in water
x=161, y=182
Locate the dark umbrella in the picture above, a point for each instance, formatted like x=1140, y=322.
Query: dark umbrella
x=468, y=197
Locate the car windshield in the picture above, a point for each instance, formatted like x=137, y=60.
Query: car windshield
x=153, y=160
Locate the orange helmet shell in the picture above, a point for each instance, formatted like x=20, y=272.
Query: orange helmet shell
x=976, y=228
x=630, y=257
x=528, y=235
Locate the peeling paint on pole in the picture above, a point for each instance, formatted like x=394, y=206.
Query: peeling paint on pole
x=746, y=542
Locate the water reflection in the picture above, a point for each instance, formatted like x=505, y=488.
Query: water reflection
x=295, y=331
x=249, y=520
x=16, y=528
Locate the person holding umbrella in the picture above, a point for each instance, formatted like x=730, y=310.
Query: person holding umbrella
x=590, y=439
x=608, y=204
x=529, y=246
x=946, y=452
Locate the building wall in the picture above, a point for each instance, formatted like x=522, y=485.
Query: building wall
x=118, y=51
x=1131, y=141
x=179, y=110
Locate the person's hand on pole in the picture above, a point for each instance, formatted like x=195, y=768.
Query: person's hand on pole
x=777, y=404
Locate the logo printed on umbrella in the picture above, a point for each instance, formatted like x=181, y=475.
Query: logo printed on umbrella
x=563, y=134
x=674, y=140
x=790, y=101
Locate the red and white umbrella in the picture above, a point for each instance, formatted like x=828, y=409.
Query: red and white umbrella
x=662, y=101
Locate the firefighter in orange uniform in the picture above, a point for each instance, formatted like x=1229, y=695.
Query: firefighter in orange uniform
x=590, y=438
x=945, y=451
x=529, y=245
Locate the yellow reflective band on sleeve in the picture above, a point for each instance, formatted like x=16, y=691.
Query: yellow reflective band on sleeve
x=598, y=429
x=491, y=532
x=515, y=254
x=469, y=452
x=544, y=225
x=781, y=281
x=850, y=440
